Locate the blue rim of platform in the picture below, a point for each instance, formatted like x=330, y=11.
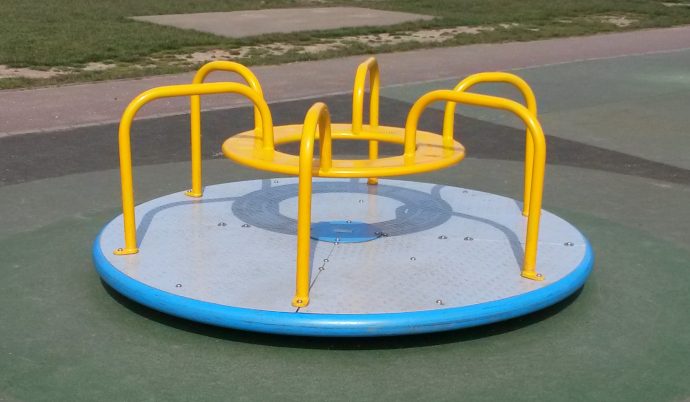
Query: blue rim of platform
x=343, y=325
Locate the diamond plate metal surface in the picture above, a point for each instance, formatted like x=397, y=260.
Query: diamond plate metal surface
x=236, y=247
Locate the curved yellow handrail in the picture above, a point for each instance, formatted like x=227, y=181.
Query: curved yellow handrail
x=195, y=114
x=126, y=148
x=317, y=117
x=530, y=102
x=370, y=67
x=536, y=134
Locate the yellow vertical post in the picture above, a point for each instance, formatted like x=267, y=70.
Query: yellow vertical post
x=303, y=273
x=195, y=141
x=371, y=67
x=529, y=265
x=126, y=180
x=317, y=116
x=530, y=102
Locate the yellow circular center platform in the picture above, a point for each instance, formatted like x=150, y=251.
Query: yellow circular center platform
x=431, y=153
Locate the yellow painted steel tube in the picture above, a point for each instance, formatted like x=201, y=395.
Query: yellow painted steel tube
x=126, y=148
x=530, y=102
x=538, y=163
x=195, y=114
x=371, y=67
x=195, y=146
x=238, y=68
x=317, y=117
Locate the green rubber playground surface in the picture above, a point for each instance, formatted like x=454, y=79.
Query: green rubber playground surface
x=617, y=145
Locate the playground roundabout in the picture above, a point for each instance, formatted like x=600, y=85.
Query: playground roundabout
x=337, y=251
x=441, y=258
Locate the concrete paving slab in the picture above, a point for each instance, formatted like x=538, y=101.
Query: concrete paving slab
x=239, y=24
x=54, y=108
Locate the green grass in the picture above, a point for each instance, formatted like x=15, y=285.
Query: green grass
x=69, y=33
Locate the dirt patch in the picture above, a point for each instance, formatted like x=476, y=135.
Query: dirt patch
x=97, y=67
x=620, y=21
x=9, y=72
x=210, y=55
x=325, y=45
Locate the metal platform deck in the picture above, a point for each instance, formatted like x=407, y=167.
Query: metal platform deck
x=441, y=250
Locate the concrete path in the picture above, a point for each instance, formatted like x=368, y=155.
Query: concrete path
x=237, y=24
x=49, y=109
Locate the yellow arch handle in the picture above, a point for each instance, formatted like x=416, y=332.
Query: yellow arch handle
x=317, y=117
x=124, y=138
x=536, y=134
x=371, y=67
x=530, y=102
x=195, y=114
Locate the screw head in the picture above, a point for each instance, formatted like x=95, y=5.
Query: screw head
x=443, y=237
x=119, y=249
x=245, y=225
x=321, y=268
x=413, y=259
x=539, y=275
x=275, y=181
x=439, y=302
x=179, y=285
x=222, y=224
x=325, y=260
x=568, y=244
x=348, y=221
x=468, y=238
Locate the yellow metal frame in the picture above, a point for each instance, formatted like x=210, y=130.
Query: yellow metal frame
x=317, y=117
x=430, y=155
x=195, y=114
x=124, y=138
x=422, y=151
x=535, y=180
x=530, y=102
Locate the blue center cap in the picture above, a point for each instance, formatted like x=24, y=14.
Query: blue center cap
x=344, y=231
